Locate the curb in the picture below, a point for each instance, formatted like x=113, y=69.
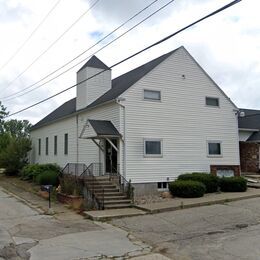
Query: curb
x=196, y=204
x=39, y=210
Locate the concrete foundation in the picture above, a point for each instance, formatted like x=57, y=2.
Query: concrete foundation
x=145, y=189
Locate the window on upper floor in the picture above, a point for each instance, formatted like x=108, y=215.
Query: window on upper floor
x=212, y=101
x=47, y=145
x=65, y=144
x=55, y=145
x=39, y=146
x=153, y=95
x=214, y=148
x=152, y=147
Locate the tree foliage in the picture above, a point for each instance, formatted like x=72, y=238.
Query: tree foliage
x=17, y=128
x=14, y=142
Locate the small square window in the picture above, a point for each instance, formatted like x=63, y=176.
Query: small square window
x=153, y=147
x=152, y=95
x=210, y=101
x=214, y=148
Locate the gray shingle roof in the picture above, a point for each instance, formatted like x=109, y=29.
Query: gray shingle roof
x=119, y=86
x=251, y=120
x=103, y=127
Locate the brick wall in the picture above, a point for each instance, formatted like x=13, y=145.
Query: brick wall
x=234, y=168
x=249, y=156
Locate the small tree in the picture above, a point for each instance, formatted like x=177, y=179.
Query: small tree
x=15, y=156
x=14, y=143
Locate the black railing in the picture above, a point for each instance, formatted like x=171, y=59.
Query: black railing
x=75, y=169
x=94, y=193
x=124, y=185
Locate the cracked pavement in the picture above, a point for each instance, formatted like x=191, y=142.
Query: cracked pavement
x=25, y=234
x=227, y=231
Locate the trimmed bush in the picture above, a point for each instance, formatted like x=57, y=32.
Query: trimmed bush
x=187, y=189
x=49, y=177
x=233, y=184
x=31, y=171
x=210, y=181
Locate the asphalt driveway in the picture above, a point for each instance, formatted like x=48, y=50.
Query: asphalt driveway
x=229, y=231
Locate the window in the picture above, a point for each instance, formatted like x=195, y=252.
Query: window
x=55, y=144
x=211, y=101
x=39, y=146
x=47, y=145
x=153, y=147
x=152, y=95
x=214, y=148
x=65, y=143
x=162, y=185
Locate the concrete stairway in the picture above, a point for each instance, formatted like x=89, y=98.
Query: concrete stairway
x=113, y=197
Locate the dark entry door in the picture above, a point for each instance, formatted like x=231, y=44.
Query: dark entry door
x=111, y=157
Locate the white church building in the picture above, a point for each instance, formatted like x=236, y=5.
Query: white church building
x=151, y=124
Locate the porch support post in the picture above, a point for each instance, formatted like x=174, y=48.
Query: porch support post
x=112, y=144
x=99, y=146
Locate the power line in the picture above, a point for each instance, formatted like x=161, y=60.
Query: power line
x=13, y=96
x=51, y=45
x=131, y=56
x=30, y=36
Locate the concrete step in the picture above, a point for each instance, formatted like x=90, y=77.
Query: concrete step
x=115, y=201
x=115, y=198
x=111, y=194
x=117, y=206
x=106, y=190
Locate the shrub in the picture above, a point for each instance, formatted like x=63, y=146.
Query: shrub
x=71, y=186
x=233, y=184
x=49, y=177
x=187, y=189
x=31, y=171
x=210, y=181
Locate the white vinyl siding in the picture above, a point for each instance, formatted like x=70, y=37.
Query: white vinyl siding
x=182, y=121
x=79, y=150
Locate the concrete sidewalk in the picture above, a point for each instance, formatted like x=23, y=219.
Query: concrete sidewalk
x=208, y=199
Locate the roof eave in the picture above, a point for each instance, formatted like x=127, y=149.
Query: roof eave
x=72, y=114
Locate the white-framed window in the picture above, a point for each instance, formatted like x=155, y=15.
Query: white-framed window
x=154, y=95
x=214, y=148
x=152, y=147
x=212, y=101
x=162, y=186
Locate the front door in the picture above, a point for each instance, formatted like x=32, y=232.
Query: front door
x=111, y=157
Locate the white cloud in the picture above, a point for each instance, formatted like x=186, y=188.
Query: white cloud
x=226, y=45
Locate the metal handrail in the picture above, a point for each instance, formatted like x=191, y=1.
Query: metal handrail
x=75, y=169
x=125, y=186
x=90, y=184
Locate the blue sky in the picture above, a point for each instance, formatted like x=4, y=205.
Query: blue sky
x=227, y=46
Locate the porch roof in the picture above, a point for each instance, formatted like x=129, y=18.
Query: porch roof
x=104, y=128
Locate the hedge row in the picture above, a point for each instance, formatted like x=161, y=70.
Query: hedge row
x=43, y=174
x=192, y=185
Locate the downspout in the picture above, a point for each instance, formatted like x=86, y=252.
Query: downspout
x=77, y=137
x=118, y=101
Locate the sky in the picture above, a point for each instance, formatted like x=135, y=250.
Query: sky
x=227, y=45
